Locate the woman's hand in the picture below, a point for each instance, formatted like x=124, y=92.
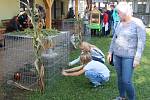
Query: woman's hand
x=109, y=57
x=136, y=62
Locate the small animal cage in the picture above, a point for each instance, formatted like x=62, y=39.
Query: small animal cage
x=95, y=16
x=94, y=24
x=17, y=60
x=76, y=28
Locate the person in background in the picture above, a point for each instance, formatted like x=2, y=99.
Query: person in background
x=127, y=46
x=86, y=19
x=115, y=18
x=70, y=13
x=23, y=20
x=13, y=25
x=108, y=11
x=105, y=23
x=86, y=13
x=41, y=13
x=95, y=71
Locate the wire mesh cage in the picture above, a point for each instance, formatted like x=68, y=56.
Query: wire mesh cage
x=59, y=55
x=76, y=27
x=17, y=62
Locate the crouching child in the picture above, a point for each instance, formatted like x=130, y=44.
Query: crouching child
x=95, y=71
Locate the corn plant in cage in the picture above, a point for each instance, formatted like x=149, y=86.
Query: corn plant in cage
x=38, y=36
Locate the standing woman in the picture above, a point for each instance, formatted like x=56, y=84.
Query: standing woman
x=127, y=47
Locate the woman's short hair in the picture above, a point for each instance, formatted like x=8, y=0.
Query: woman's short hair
x=85, y=57
x=125, y=8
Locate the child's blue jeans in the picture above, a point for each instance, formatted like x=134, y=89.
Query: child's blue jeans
x=95, y=77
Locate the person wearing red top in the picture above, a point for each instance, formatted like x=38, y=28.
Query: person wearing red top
x=105, y=23
x=105, y=20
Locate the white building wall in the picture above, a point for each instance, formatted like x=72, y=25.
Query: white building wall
x=8, y=9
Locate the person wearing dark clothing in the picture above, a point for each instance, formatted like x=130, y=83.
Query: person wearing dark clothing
x=13, y=25
x=70, y=13
x=105, y=23
x=109, y=20
x=42, y=14
x=23, y=20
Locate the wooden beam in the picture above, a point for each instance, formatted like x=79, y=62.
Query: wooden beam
x=48, y=18
x=48, y=5
x=66, y=4
x=76, y=9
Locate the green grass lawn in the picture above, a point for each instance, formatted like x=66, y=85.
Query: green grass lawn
x=78, y=88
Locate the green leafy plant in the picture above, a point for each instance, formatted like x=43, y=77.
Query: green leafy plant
x=29, y=31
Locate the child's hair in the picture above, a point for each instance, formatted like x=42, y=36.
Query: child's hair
x=85, y=57
x=86, y=46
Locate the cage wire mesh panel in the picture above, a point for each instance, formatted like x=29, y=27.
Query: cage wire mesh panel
x=72, y=26
x=17, y=55
x=57, y=57
x=17, y=62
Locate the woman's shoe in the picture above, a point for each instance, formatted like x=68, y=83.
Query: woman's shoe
x=119, y=98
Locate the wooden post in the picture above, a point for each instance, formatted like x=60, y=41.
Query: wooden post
x=66, y=6
x=76, y=9
x=48, y=4
x=48, y=18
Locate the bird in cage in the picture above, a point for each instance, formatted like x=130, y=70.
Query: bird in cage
x=17, y=76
